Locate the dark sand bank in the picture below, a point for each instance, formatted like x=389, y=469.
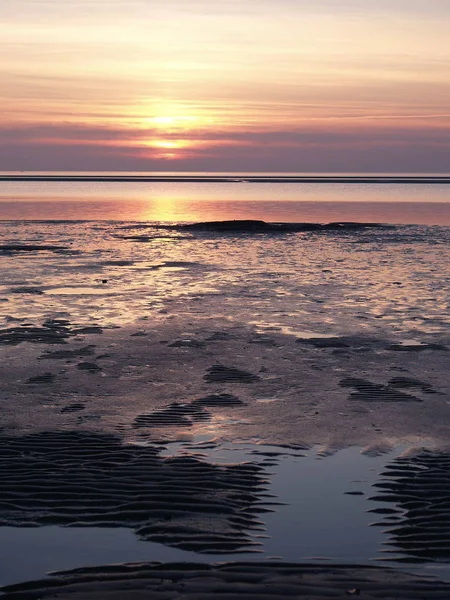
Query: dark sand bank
x=11, y=249
x=252, y=580
x=245, y=228
x=52, y=331
x=252, y=226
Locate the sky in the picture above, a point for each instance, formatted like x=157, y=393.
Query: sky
x=235, y=85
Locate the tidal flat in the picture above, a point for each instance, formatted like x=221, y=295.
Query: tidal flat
x=276, y=402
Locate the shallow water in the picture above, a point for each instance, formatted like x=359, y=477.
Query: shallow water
x=388, y=282
x=402, y=203
x=319, y=521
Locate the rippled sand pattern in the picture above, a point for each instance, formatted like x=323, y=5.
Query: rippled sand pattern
x=419, y=485
x=155, y=581
x=81, y=479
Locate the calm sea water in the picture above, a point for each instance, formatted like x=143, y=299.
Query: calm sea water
x=402, y=203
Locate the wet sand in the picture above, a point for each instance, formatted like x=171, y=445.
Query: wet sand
x=89, y=479
x=228, y=581
x=333, y=391
x=89, y=409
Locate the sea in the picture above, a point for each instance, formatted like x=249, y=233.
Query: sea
x=186, y=197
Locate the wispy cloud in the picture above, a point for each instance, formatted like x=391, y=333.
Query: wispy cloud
x=369, y=147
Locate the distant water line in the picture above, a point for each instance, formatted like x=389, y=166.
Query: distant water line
x=226, y=178
x=180, y=197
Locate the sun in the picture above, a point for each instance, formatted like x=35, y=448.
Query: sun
x=168, y=147
x=163, y=121
x=171, y=123
x=169, y=144
x=171, y=130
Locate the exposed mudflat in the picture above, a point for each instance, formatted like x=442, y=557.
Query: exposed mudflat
x=166, y=382
x=116, y=347
x=255, y=226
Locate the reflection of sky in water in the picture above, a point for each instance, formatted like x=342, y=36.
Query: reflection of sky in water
x=318, y=520
x=198, y=210
x=384, y=282
x=193, y=201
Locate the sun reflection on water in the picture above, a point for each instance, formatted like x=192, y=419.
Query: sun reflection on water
x=167, y=209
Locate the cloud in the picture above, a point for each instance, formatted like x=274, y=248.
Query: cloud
x=376, y=158
x=367, y=146
x=65, y=132
x=430, y=7
x=428, y=128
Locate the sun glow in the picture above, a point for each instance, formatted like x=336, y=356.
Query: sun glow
x=173, y=117
x=169, y=144
x=169, y=130
x=172, y=122
x=169, y=148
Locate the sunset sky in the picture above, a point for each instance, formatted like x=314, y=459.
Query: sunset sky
x=246, y=85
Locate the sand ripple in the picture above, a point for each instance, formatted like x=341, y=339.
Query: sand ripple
x=420, y=486
x=89, y=479
x=193, y=581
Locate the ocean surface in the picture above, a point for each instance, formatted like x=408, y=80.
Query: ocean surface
x=197, y=197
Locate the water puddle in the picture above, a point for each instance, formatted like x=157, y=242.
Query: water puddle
x=320, y=512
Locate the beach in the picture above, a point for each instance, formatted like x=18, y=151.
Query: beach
x=200, y=388
x=224, y=300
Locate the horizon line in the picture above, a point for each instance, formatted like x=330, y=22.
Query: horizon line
x=220, y=177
